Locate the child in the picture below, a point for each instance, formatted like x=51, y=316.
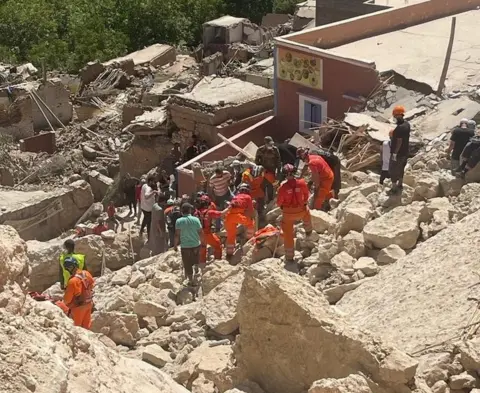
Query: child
x=100, y=227
x=112, y=217
x=385, y=161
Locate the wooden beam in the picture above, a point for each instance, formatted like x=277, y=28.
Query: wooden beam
x=441, y=84
x=239, y=149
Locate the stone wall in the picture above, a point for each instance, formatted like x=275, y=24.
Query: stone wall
x=42, y=142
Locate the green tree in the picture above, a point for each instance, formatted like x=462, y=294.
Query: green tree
x=252, y=9
x=285, y=6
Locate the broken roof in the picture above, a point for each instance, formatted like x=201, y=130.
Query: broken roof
x=215, y=92
x=418, y=52
x=145, y=55
x=225, y=21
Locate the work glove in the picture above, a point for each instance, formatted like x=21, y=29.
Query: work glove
x=394, y=157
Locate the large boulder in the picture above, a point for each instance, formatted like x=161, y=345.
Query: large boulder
x=216, y=273
x=121, y=328
x=399, y=226
x=282, y=319
x=427, y=187
x=354, y=213
x=353, y=244
x=422, y=298
x=322, y=221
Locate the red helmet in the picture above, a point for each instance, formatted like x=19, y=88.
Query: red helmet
x=289, y=169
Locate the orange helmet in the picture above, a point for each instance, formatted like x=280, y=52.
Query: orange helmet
x=398, y=110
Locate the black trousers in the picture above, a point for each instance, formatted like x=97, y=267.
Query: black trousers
x=190, y=258
x=397, y=169
x=147, y=219
x=384, y=175
x=132, y=203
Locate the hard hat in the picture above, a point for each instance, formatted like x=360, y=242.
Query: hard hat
x=170, y=202
x=70, y=263
x=244, y=187
x=464, y=121
x=398, y=110
x=288, y=169
x=236, y=163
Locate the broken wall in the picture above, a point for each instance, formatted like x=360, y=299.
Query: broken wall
x=45, y=141
x=16, y=117
x=57, y=97
x=44, y=215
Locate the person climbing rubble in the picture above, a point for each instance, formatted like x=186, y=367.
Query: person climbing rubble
x=129, y=189
x=237, y=173
x=219, y=187
x=254, y=176
x=64, y=276
x=207, y=212
x=78, y=295
x=172, y=214
x=292, y=199
x=114, y=220
x=147, y=200
x=189, y=236
x=157, y=241
x=100, y=227
x=138, y=197
x=458, y=140
x=240, y=212
x=399, y=150
x=268, y=156
x=321, y=175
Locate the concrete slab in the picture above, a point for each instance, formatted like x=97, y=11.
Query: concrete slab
x=225, y=21
x=418, y=52
x=376, y=129
x=157, y=55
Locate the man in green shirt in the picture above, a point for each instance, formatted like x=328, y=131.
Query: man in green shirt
x=69, y=252
x=189, y=235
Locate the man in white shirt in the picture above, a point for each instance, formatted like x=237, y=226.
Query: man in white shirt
x=386, y=147
x=147, y=200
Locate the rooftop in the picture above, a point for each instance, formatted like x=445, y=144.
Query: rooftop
x=418, y=52
x=212, y=90
x=143, y=56
x=225, y=21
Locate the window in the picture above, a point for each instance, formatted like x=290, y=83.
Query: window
x=312, y=113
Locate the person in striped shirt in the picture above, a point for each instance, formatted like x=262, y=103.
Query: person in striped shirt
x=219, y=185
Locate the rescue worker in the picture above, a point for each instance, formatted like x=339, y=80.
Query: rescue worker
x=69, y=252
x=292, y=199
x=399, y=150
x=207, y=213
x=268, y=156
x=321, y=176
x=254, y=176
x=78, y=295
x=240, y=212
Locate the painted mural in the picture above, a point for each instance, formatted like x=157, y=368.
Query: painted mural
x=300, y=68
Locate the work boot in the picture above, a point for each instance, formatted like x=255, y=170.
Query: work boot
x=291, y=266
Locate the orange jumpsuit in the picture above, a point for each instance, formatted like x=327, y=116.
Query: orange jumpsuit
x=211, y=239
x=257, y=188
x=322, y=177
x=78, y=298
x=292, y=199
x=239, y=213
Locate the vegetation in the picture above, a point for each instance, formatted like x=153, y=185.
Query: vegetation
x=65, y=34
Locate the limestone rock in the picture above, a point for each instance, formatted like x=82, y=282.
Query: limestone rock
x=440, y=204
x=319, y=272
x=203, y=385
x=344, y=263
x=434, y=367
x=390, y=254
x=122, y=276
x=354, y=213
x=272, y=216
x=450, y=185
x=440, y=387
x=335, y=293
x=246, y=387
x=156, y=356
x=367, y=266
x=398, y=368
x=119, y=327
x=145, y=308
x=220, y=305
x=470, y=354
x=399, y=226
x=108, y=235
x=136, y=279
x=327, y=249
x=351, y=384
x=353, y=244
x=322, y=221
x=427, y=187
x=275, y=304
x=462, y=381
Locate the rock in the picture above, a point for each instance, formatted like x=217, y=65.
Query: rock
x=334, y=294
x=343, y=262
x=220, y=305
x=136, y=279
x=121, y=328
x=275, y=304
x=354, y=213
x=441, y=204
x=322, y=221
x=450, y=185
x=470, y=354
x=122, y=276
x=316, y=273
x=156, y=356
x=434, y=367
x=202, y=385
x=353, y=244
x=273, y=215
x=399, y=226
x=351, y=384
x=390, y=254
x=216, y=273
x=440, y=387
x=416, y=303
x=367, y=266
x=398, y=368
x=145, y=308
x=246, y=387
x=108, y=235
x=462, y=381
x=327, y=249
x=427, y=187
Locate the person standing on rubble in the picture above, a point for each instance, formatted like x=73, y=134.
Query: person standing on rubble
x=237, y=174
x=129, y=186
x=78, y=295
x=386, y=153
x=147, y=200
x=458, y=140
x=172, y=214
x=292, y=199
x=192, y=150
x=268, y=156
x=240, y=212
x=189, y=236
x=207, y=213
x=64, y=274
x=254, y=176
x=219, y=185
x=321, y=175
x=157, y=241
x=470, y=156
x=400, y=150
x=138, y=197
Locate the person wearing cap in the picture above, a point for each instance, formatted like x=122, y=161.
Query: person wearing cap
x=268, y=156
x=399, y=150
x=64, y=274
x=189, y=236
x=458, y=140
x=172, y=214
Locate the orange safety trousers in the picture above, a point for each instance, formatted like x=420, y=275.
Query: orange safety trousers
x=82, y=315
x=323, y=187
x=236, y=216
x=270, y=176
x=211, y=240
x=290, y=216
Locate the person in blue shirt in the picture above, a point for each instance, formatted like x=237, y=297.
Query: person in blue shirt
x=189, y=236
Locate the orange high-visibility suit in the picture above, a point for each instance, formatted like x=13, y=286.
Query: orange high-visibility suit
x=211, y=239
x=322, y=177
x=78, y=298
x=255, y=183
x=239, y=213
x=292, y=199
